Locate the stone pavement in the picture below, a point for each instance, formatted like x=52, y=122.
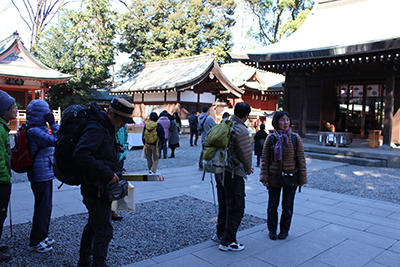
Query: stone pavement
x=328, y=229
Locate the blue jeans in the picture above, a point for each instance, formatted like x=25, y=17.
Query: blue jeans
x=97, y=233
x=196, y=134
x=230, y=207
x=43, y=192
x=274, y=194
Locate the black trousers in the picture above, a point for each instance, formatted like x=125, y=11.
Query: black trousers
x=274, y=194
x=43, y=193
x=230, y=207
x=97, y=233
x=5, y=193
x=196, y=134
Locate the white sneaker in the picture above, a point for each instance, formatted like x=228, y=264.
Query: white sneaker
x=151, y=172
x=234, y=246
x=49, y=241
x=41, y=248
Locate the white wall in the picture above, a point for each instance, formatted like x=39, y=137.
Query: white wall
x=207, y=98
x=153, y=97
x=189, y=96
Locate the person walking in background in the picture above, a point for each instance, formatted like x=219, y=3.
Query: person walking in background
x=122, y=140
x=8, y=112
x=193, y=128
x=41, y=175
x=205, y=123
x=97, y=155
x=164, y=120
x=284, y=157
x=152, y=137
x=173, y=141
x=231, y=190
x=178, y=122
x=259, y=140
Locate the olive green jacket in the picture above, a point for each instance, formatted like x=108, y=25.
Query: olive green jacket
x=5, y=153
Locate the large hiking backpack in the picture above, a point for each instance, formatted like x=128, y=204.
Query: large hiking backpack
x=73, y=121
x=20, y=160
x=150, y=135
x=216, y=156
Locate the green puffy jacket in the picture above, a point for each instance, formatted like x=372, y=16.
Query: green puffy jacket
x=5, y=153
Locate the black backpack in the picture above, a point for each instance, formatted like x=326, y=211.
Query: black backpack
x=73, y=121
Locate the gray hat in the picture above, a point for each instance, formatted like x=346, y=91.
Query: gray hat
x=123, y=109
x=5, y=102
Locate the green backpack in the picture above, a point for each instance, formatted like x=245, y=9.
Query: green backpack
x=150, y=132
x=216, y=156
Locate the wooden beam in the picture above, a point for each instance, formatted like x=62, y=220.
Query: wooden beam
x=303, y=105
x=389, y=107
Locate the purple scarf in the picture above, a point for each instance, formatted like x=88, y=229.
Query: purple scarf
x=282, y=141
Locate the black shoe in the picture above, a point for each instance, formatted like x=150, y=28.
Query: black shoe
x=191, y=145
x=195, y=144
x=273, y=236
x=282, y=235
x=172, y=156
x=5, y=258
x=3, y=249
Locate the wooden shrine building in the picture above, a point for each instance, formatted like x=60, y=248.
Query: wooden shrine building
x=180, y=85
x=22, y=75
x=342, y=68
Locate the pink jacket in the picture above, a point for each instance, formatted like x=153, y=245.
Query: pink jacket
x=165, y=123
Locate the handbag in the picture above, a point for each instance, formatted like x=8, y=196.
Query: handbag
x=126, y=203
x=115, y=191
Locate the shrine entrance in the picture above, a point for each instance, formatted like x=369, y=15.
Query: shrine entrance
x=359, y=108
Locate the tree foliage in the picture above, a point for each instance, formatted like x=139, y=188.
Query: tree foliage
x=278, y=18
x=155, y=30
x=37, y=15
x=81, y=44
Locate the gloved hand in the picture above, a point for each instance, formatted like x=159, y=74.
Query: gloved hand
x=49, y=117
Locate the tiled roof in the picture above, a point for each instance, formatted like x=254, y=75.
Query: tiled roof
x=176, y=74
x=17, y=62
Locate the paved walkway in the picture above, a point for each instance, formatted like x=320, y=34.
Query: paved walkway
x=328, y=229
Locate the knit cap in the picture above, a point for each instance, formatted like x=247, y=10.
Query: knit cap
x=5, y=102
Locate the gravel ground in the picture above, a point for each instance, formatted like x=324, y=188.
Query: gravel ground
x=148, y=232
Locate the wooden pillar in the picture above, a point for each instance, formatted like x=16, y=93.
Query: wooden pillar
x=303, y=105
x=364, y=102
x=389, y=107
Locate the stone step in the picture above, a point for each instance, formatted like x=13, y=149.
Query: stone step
x=348, y=159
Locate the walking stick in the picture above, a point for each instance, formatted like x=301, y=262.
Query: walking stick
x=212, y=187
x=9, y=209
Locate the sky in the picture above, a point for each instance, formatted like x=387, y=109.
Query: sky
x=11, y=22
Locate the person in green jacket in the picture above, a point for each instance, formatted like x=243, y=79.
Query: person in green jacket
x=8, y=112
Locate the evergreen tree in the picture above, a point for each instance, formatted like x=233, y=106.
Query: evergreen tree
x=155, y=30
x=81, y=44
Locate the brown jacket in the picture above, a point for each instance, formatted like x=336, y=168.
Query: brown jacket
x=269, y=170
x=241, y=146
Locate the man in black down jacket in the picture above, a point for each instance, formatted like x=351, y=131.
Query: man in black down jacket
x=97, y=154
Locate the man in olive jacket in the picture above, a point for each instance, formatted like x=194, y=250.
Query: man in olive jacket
x=97, y=155
x=8, y=111
x=231, y=190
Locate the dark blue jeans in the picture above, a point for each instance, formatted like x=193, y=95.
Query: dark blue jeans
x=196, y=134
x=164, y=149
x=43, y=193
x=97, y=233
x=5, y=192
x=230, y=207
x=274, y=194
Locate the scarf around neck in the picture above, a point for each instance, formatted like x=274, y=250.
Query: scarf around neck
x=282, y=141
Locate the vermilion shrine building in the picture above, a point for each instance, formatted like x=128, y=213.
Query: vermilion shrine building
x=23, y=76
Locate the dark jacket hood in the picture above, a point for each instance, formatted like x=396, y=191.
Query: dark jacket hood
x=99, y=115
